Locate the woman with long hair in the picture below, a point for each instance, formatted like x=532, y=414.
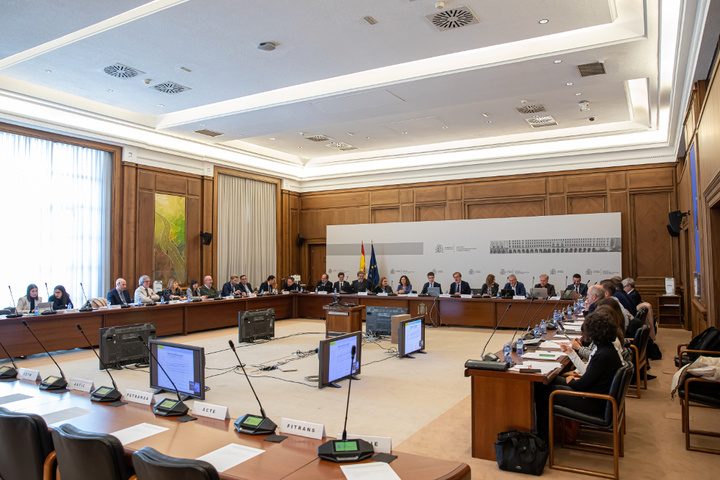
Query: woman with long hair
x=27, y=303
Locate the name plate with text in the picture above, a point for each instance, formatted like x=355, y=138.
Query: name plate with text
x=380, y=444
x=209, y=410
x=138, y=396
x=466, y=295
x=361, y=293
x=28, y=374
x=382, y=294
x=81, y=384
x=252, y=295
x=412, y=294
x=322, y=292
x=285, y=292
x=445, y=295
x=304, y=429
x=114, y=307
x=70, y=310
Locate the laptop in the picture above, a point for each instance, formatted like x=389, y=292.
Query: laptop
x=510, y=293
x=538, y=293
x=570, y=295
x=433, y=291
x=45, y=307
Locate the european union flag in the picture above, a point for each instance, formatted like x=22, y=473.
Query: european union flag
x=373, y=274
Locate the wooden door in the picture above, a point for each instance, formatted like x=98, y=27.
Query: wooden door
x=317, y=263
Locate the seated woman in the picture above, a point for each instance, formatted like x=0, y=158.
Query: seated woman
x=172, y=292
x=383, y=286
x=27, y=303
x=580, y=354
x=404, y=286
x=193, y=290
x=61, y=300
x=144, y=293
x=489, y=288
x=601, y=329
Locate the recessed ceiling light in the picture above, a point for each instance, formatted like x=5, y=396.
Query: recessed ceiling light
x=487, y=114
x=272, y=138
x=370, y=20
x=367, y=138
x=523, y=101
x=445, y=127
x=578, y=94
x=267, y=46
x=109, y=90
x=543, y=21
x=351, y=133
x=489, y=121
x=160, y=105
x=300, y=147
x=48, y=71
x=557, y=61
x=569, y=84
x=404, y=133
x=185, y=69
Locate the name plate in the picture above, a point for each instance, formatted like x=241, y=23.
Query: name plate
x=29, y=375
x=252, y=295
x=138, y=396
x=380, y=444
x=303, y=429
x=209, y=410
x=114, y=307
x=466, y=295
x=322, y=292
x=361, y=293
x=382, y=294
x=412, y=294
x=70, y=310
x=229, y=297
x=332, y=312
x=81, y=384
x=518, y=297
x=285, y=292
x=445, y=295
x=173, y=302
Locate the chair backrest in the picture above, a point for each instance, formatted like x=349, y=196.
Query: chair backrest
x=642, y=337
x=85, y=455
x=628, y=356
x=98, y=302
x=153, y=465
x=25, y=442
x=618, y=389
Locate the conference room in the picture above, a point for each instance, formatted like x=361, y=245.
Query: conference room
x=126, y=155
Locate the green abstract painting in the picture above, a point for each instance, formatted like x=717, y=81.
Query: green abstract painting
x=169, y=255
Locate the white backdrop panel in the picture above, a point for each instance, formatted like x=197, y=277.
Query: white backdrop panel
x=558, y=245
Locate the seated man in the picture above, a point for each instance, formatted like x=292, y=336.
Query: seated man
x=515, y=286
x=544, y=284
x=595, y=293
x=207, y=290
x=459, y=287
x=341, y=285
x=431, y=283
x=324, y=284
x=119, y=295
x=231, y=288
x=144, y=292
x=578, y=286
x=362, y=284
x=629, y=288
x=245, y=287
x=613, y=290
x=268, y=286
x=290, y=285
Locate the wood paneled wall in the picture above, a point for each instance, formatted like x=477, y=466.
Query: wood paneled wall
x=643, y=195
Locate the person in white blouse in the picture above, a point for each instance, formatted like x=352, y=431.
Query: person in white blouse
x=144, y=292
x=28, y=302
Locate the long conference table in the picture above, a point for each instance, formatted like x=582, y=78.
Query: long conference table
x=58, y=332
x=295, y=458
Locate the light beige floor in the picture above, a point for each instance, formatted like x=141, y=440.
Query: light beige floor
x=422, y=403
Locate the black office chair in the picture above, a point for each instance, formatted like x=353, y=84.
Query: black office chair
x=153, y=465
x=639, y=346
x=85, y=455
x=612, y=420
x=701, y=392
x=26, y=447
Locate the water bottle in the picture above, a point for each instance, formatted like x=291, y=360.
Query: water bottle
x=316, y=290
x=508, y=353
x=520, y=347
x=543, y=327
x=37, y=309
x=536, y=331
x=162, y=300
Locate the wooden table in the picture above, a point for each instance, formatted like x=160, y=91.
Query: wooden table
x=294, y=458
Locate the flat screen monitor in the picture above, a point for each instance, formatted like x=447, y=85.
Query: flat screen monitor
x=255, y=324
x=411, y=336
x=335, y=358
x=378, y=320
x=433, y=291
x=120, y=345
x=184, y=363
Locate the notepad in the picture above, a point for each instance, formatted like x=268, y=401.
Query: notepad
x=544, y=367
x=369, y=471
x=137, y=432
x=226, y=457
x=543, y=355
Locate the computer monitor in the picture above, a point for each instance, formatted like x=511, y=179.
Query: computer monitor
x=433, y=291
x=538, y=293
x=510, y=293
x=254, y=324
x=411, y=336
x=334, y=358
x=121, y=346
x=184, y=363
x=378, y=320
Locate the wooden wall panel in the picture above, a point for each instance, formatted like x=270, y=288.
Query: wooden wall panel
x=380, y=197
x=530, y=208
x=505, y=189
x=651, y=178
x=171, y=184
x=557, y=205
x=654, y=252
x=429, y=213
x=430, y=194
x=592, y=182
x=335, y=199
x=193, y=222
x=145, y=237
x=581, y=205
x=385, y=215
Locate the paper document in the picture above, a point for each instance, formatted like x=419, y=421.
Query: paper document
x=369, y=471
x=543, y=355
x=548, y=344
x=230, y=455
x=137, y=432
x=544, y=367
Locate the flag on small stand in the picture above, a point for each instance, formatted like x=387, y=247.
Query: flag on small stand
x=362, y=258
x=373, y=274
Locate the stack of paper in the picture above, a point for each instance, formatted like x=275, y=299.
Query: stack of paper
x=543, y=355
x=544, y=367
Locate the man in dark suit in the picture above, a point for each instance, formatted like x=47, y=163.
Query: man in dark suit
x=459, y=286
x=268, y=286
x=430, y=283
x=629, y=288
x=595, y=293
x=231, y=287
x=341, y=285
x=362, y=284
x=119, y=295
x=290, y=285
x=245, y=287
x=515, y=286
x=324, y=284
x=578, y=286
x=612, y=291
x=544, y=284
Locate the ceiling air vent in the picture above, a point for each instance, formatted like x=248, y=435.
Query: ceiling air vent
x=342, y=146
x=453, y=18
x=544, y=121
x=317, y=138
x=209, y=133
x=119, y=70
x=590, y=69
x=170, y=87
x=531, y=108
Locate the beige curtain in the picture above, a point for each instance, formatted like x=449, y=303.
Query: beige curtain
x=246, y=236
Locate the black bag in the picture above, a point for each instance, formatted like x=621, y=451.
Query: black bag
x=521, y=452
x=708, y=340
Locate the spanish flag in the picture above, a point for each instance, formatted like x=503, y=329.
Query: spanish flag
x=362, y=257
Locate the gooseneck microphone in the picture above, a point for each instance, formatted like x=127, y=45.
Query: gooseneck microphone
x=16, y=314
x=512, y=340
x=51, y=382
x=88, y=306
x=491, y=357
x=166, y=407
x=252, y=424
x=102, y=394
x=340, y=451
x=529, y=336
x=5, y=371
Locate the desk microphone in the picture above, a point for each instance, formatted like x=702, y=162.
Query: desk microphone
x=512, y=340
x=16, y=314
x=491, y=357
x=528, y=335
x=51, y=382
x=51, y=311
x=341, y=451
x=5, y=371
x=102, y=394
x=87, y=307
x=166, y=407
x=252, y=424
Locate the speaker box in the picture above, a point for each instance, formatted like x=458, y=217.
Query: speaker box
x=206, y=238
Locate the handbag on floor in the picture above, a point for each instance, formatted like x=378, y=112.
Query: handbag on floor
x=521, y=452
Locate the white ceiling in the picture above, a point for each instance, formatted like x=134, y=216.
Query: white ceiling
x=403, y=92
